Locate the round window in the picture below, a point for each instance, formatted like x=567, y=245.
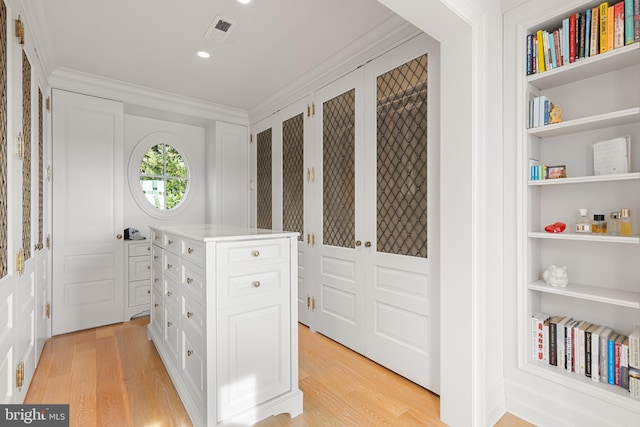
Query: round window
x=163, y=176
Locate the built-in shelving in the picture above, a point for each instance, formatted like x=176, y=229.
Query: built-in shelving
x=590, y=293
x=602, y=238
x=587, y=179
x=584, y=124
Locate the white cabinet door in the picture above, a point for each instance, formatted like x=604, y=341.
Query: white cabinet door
x=253, y=355
x=87, y=212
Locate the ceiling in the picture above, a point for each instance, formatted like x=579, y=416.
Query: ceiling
x=152, y=43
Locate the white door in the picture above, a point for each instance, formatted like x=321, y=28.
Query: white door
x=340, y=233
x=402, y=219
x=88, y=255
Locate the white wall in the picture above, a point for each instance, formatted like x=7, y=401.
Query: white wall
x=192, y=146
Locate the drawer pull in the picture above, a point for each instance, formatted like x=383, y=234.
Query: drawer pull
x=148, y=248
x=148, y=292
x=155, y=257
x=169, y=266
x=156, y=305
x=189, y=314
x=169, y=293
x=256, y=253
x=189, y=280
x=156, y=280
x=189, y=352
x=170, y=242
x=169, y=324
x=190, y=250
x=256, y=284
x=148, y=267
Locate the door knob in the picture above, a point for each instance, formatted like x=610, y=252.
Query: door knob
x=358, y=243
x=119, y=236
x=367, y=244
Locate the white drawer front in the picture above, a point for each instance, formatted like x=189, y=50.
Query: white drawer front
x=193, y=315
x=193, y=251
x=260, y=252
x=244, y=286
x=192, y=280
x=139, y=249
x=156, y=237
x=139, y=267
x=171, y=243
x=171, y=335
x=193, y=365
x=170, y=265
x=139, y=293
x=171, y=293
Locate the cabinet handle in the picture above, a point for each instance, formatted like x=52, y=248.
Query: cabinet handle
x=148, y=248
x=189, y=352
x=189, y=314
x=189, y=280
x=169, y=266
x=148, y=292
x=156, y=280
x=169, y=324
x=256, y=253
x=156, y=305
x=148, y=267
x=169, y=293
x=155, y=257
x=256, y=284
x=190, y=250
x=169, y=242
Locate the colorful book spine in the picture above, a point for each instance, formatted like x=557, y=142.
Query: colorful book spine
x=603, y=10
x=552, y=50
x=594, y=45
x=636, y=18
x=529, y=54
x=628, y=22
x=610, y=28
x=587, y=33
x=611, y=359
x=541, y=64
x=565, y=40
x=618, y=25
x=624, y=364
x=580, y=30
x=572, y=38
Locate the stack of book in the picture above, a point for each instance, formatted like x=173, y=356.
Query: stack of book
x=539, y=108
x=584, y=34
x=584, y=348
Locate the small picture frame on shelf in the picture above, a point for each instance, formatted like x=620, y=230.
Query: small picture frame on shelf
x=555, y=172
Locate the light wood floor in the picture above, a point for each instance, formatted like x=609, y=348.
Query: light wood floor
x=113, y=376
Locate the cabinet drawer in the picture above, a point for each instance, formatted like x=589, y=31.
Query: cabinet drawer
x=139, y=293
x=193, y=366
x=171, y=332
x=193, y=251
x=139, y=249
x=170, y=265
x=261, y=252
x=243, y=286
x=171, y=242
x=156, y=256
x=157, y=312
x=139, y=267
x=171, y=293
x=192, y=280
x=156, y=279
x=156, y=237
x=192, y=314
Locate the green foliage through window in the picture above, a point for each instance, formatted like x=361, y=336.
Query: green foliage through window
x=163, y=176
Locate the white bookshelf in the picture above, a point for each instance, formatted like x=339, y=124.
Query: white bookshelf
x=602, y=102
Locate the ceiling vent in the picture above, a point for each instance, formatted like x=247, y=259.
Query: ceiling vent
x=220, y=29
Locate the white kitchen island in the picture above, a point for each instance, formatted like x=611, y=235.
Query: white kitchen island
x=224, y=320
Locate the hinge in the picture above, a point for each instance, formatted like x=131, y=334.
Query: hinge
x=20, y=375
x=20, y=30
x=250, y=138
x=308, y=111
x=313, y=304
x=49, y=173
x=20, y=262
x=308, y=302
x=47, y=310
x=47, y=104
x=313, y=108
x=48, y=241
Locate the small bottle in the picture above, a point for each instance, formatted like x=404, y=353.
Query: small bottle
x=583, y=225
x=625, y=222
x=613, y=227
x=599, y=225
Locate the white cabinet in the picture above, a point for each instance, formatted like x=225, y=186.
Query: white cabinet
x=600, y=100
x=137, y=278
x=224, y=320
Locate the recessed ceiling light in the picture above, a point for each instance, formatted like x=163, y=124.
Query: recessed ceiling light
x=244, y=1
x=203, y=54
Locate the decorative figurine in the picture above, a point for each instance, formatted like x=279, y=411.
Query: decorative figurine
x=555, y=114
x=556, y=276
x=556, y=227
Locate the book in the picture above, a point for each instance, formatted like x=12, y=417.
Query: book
x=552, y=50
x=581, y=348
x=565, y=41
x=587, y=33
x=529, y=54
x=537, y=321
x=634, y=382
x=636, y=19
x=611, y=358
x=595, y=353
x=556, y=45
x=603, y=9
x=634, y=348
x=610, y=27
x=545, y=336
x=594, y=44
x=618, y=25
x=580, y=34
x=553, y=340
x=618, y=357
x=628, y=22
x=562, y=342
x=540, y=63
x=572, y=37
x=604, y=354
x=587, y=349
x=624, y=363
